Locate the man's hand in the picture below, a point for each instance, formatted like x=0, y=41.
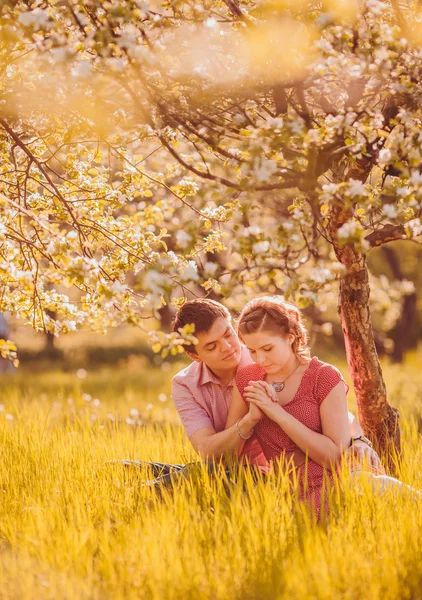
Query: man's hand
x=255, y=414
x=365, y=455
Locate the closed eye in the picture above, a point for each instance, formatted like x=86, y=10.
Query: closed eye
x=264, y=349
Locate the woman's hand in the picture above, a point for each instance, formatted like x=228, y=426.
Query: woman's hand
x=263, y=397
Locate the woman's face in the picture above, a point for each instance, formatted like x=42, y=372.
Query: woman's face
x=270, y=350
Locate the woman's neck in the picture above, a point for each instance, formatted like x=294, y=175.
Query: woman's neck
x=290, y=366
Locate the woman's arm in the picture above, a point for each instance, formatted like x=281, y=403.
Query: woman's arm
x=324, y=448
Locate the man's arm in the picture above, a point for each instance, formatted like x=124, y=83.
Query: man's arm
x=213, y=445
x=360, y=449
x=199, y=428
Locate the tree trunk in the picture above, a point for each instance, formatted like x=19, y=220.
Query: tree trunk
x=50, y=346
x=379, y=420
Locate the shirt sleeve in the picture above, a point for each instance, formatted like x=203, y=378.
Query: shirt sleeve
x=192, y=414
x=327, y=379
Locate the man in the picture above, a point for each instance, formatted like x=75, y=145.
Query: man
x=202, y=392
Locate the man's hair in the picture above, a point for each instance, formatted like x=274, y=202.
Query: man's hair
x=203, y=313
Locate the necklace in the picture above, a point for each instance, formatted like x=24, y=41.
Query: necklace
x=278, y=386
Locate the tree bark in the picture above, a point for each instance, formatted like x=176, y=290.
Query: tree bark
x=379, y=420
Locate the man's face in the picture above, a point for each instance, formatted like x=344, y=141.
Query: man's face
x=219, y=347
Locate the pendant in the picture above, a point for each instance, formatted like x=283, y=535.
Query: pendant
x=278, y=387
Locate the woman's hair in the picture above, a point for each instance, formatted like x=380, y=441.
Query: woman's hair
x=272, y=313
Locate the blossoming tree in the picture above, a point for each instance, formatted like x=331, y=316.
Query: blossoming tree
x=153, y=150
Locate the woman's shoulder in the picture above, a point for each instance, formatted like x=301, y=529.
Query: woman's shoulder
x=326, y=377
x=245, y=374
x=324, y=369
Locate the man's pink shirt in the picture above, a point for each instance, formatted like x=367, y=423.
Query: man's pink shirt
x=203, y=401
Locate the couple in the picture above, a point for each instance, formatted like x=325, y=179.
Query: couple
x=265, y=398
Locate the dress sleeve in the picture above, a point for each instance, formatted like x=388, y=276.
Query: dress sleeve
x=245, y=375
x=327, y=379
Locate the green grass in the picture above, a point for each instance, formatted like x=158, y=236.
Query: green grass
x=72, y=528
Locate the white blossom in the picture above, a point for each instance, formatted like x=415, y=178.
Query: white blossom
x=357, y=188
x=321, y=275
x=239, y=119
x=211, y=22
x=297, y=126
x=210, y=268
x=118, y=287
x=326, y=329
x=416, y=178
x=274, y=122
x=347, y=230
x=414, y=227
x=128, y=36
x=37, y=18
x=384, y=156
x=69, y=325
x=82, y=69
x=264, y=169
x=329, y=190
x=190, y=272
x=253, y=230
x=183, y=239
x=188, y=187
x=376, y=7
x=59, y=54
x=407, y=287
x=261, y=247
x=390, y=211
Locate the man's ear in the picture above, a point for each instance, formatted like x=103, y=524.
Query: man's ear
x=193, y=356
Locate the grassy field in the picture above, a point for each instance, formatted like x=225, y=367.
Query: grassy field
x=72, y=528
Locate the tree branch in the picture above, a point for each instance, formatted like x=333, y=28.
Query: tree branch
x=389, y=233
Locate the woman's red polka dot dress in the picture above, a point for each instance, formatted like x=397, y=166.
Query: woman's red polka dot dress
x=317, y=382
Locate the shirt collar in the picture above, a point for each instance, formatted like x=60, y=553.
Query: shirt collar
x=207, y=376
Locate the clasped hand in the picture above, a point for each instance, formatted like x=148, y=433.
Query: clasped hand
x=262, y=395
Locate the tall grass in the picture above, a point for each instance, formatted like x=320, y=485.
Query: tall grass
x=71, y=527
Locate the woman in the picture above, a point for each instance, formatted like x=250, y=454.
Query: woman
x=297, y=402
